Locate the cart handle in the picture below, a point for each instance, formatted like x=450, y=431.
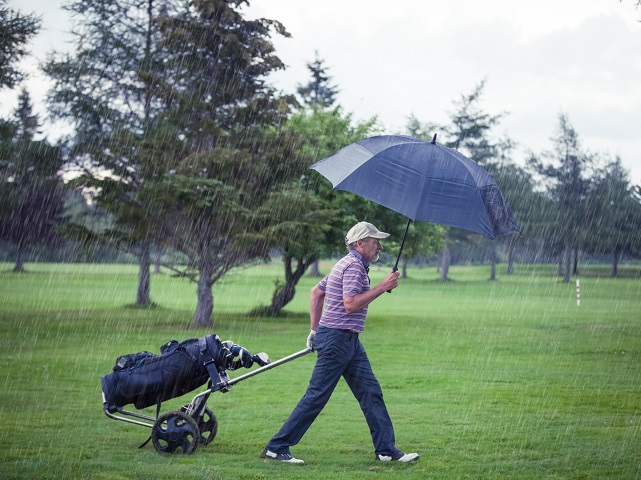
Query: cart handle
x=271, y=365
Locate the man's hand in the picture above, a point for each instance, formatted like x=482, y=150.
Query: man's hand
x=355, y=303
x=390, y=281
x=310, y=340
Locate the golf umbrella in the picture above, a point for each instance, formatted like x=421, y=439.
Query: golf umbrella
x=423, y=181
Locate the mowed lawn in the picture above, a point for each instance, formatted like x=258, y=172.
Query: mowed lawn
x=504, y=379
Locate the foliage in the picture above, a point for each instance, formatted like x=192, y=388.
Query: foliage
x=566, y=172
x=318, y=93
x=110, y=89
x=150, y=125
x=614, y=215
x=470, y=131
x=31, y=192
x=17, y=29
x=306, y=224
x=234, y=154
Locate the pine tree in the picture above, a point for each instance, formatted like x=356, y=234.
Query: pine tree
x=235, y=154
x=110, y=88
x=31, y=190
x=318, y=93
x=567, y=174
x=16, y=30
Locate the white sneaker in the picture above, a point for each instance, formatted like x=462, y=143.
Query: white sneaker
x=281, y=457
x=398, y=457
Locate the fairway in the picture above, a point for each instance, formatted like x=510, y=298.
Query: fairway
x=504, y=379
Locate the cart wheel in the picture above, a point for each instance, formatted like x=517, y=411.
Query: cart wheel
x=208, y=426
x=173, y=431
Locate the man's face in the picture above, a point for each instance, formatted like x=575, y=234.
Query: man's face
x=370, y=248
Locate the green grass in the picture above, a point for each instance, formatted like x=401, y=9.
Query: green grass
x=505, y=379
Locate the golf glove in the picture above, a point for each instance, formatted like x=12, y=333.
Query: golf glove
x=310, y=340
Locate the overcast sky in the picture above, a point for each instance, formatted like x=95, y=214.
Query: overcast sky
x=392, y=59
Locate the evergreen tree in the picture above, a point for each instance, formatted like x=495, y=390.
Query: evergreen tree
x=16, y=30
x=613, y=221
x=469, y=132
x=318, y=93
x=566, y=172
x=235, y=154
x=111, y=90
x=31, y=190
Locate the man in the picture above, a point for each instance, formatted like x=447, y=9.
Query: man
x=346, y=293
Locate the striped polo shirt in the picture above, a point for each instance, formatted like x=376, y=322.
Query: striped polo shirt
x=347, y=278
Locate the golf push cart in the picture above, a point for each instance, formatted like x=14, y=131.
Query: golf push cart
x=145, y=379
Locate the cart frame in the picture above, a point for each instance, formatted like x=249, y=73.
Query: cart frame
x=195, y=409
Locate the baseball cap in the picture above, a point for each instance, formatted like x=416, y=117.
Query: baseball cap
x=363, y=230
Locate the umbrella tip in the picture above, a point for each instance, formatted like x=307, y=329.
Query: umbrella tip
x=434, y=139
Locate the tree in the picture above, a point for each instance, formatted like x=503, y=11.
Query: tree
x=316, y=222
x=318, y=93
x=302, y=224
x=614, y=215
x=567, y=172
x=528, y=205
x=470, y=129
x=111, y=90
x=235, y=154
x=31, y=190
x=469, y=132
x=17, y=30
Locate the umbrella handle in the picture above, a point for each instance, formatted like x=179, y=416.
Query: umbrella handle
x=395, y=269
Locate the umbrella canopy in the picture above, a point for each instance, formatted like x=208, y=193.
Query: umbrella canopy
x=423, y=181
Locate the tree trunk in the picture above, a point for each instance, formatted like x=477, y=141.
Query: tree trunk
x=205, y=303
x=19, y=266
x=575, y=266
x=492, y=261
x=404, y=269
x=157, y=262
x=445, y=263
x=568, y=262
x=287, y=291
x=616, y=255
x=510, y=257
x=282, y=297
x=143, y=297
x=314, y=270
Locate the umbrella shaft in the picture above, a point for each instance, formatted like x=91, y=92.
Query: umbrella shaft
x=402, y=243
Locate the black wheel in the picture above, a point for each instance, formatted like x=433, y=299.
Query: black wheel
x=175, y=431
x=207, y=425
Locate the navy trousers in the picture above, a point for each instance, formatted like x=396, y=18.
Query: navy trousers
x=340, y=353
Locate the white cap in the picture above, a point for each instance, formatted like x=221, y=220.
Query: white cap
x=363, y=230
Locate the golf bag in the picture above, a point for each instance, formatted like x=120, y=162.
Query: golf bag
x=145, y=379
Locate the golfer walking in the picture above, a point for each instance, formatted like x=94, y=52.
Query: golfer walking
x=345, y=293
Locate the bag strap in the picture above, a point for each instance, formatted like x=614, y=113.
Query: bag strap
x=157, y=415
x=218, y=377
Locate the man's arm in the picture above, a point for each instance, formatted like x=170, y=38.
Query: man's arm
x=360, y=301
x=316, y=300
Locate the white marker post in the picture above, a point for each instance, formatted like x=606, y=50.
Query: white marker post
x=578, y=293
